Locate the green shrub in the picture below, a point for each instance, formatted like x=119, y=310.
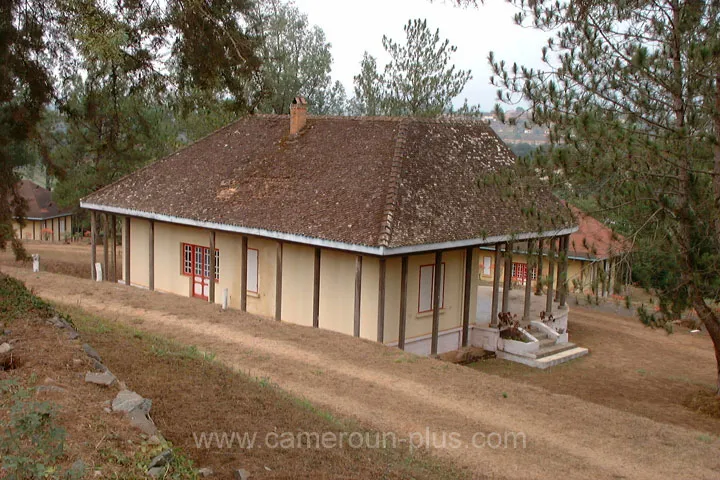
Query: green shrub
x=16, y=300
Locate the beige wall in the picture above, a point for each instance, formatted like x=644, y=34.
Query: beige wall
x=168, y=263
x=337, y=280
x=420, y=324
x=298, y=268
x=33, y=228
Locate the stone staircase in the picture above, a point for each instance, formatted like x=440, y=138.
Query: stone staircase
x=549, y=354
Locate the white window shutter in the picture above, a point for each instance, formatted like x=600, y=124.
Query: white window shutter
x=252, y=270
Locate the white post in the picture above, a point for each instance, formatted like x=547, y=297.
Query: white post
x=36, y=262
x=98, y=272
x=225, y=299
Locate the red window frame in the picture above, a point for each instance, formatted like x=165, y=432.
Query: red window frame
x=189, y=265
x=432, y=286
x=523, y=268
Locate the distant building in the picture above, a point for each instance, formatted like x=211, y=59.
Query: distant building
x=44, y=219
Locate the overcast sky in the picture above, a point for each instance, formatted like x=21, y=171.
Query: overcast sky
x=355, y=26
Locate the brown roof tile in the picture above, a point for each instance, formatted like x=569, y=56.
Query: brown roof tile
x=39, y=201
x=594, y=239
x=376, y=181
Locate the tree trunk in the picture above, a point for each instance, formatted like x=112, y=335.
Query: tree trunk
x=712, y=323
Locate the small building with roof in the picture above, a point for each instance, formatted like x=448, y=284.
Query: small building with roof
x=368, y=226
x=44, y=219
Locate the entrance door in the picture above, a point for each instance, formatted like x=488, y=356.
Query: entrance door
x=201, y=284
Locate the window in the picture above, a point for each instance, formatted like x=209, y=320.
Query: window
x=520, y=271
x=427, y=286
x=252, y=270
x=196, y=261
x=187, y=259
x=487, y=262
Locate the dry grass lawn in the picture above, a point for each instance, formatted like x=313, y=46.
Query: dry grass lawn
x=67, y=259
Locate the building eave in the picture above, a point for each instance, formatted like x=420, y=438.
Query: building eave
x=325, y=243
x=38, y=219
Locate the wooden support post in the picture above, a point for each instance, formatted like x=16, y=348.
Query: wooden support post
x=528, y=282
x=243, y=272
x=93, y=249
x=278, y=281
x=381, y=301
x=559, y=274
x=113, y=259
x=564, y=279
x=403, y=301
x=551, y=275
x=106, y=234
x=496, y=288
x=593, y=278
x=212, y=267
x=151, y=257
x=538, y=281
x=437, y=302
x=467, y=296
x=358, y=295
x=316, y=288
x=126, y=250
x=507, y=277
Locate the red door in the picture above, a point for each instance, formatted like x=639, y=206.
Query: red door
x=201, y=282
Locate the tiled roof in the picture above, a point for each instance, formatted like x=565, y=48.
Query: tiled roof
x=375, y=181
x=39, y=201
x=594, y=239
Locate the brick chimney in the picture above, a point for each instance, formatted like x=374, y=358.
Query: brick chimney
x=298, y=115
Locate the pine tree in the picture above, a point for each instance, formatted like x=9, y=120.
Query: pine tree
x=420, y=78
x=630, y=92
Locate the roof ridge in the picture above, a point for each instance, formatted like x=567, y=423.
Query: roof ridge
x=393, y=189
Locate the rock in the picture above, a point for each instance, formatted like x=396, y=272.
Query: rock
x=49, y=388
x=91, y=352
x=73, y=335
x=156, y=472
x=206, y=472
x=105, y=379
x=107, y=409
x=156, y=439
x=127, y=401
x=5, y=348
x=161, y=460
x=241, y=474
x=142, y=422
x=77, y=362
x=99, y=367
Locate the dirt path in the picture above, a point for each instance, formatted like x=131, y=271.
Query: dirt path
x=392, y=391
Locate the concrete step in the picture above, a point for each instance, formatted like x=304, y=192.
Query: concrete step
x=545, y=362
x=562, y=357
x=546, y=342
x=554, y=349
